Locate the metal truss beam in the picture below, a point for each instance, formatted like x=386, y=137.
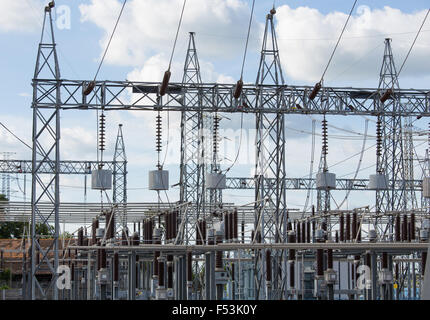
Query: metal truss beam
x=310, y=184
x=219, y=97
x=66, y=167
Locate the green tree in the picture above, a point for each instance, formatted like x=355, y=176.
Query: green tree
x=15, y=230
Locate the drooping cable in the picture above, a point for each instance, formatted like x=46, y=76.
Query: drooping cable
x=413, y=43
x=110, y=40
x=177, y=33
x=239, y=85
x=338, y=41
x=167, y=74
x=318, y=86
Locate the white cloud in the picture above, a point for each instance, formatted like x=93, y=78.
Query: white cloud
x=307, y=38
x=148, y=27
x=22, y=16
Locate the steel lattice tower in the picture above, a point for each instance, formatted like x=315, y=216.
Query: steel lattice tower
x=46, y=150
x=120, y=177
x=270, y=216
x=392, y=160
x=192, y=148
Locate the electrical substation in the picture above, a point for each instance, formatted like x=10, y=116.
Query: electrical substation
x=197, y=246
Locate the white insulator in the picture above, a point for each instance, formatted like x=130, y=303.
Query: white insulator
x=372, y=235
x=326, y=181
x=378, y=182
x=216, y=181
x=158, y=180
x=426, y=187
x=101, y=180
x=100, y=233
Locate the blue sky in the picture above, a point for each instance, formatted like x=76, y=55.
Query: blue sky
x=306, y=30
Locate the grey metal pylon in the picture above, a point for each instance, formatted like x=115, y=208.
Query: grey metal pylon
x=120, y=177
x=192, y=149
x=392, y=160
x=270, y=217
x=46, y=150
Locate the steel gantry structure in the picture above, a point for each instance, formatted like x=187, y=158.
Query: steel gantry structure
x=270, y=99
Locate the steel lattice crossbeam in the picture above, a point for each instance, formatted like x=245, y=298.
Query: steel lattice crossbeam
x=66, y=167
x=310, y=184
x=292, y=99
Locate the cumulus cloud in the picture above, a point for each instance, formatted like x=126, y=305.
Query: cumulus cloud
x=21, y=16
x=148, y=27
x=307, y=38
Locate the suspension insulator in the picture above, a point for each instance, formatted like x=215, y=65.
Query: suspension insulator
x=102, y=132
x=378, y=138
x=238, y=89
x=315, y=91
x=324, y=139
x=217, y=120
x=165, y=83
x=158, y=133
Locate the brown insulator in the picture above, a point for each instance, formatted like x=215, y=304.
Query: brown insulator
x=273, y=11
x=386, y=95
x=412, y=228
x=299, y=232
x=103, y=259
x=242, y=227
x=308, y=231
x=329, y=258
x=170, y=271
x=384, y=260
x=336, y=236
x=235, y=225
x=253, y=236
x=423, y=262
x=289, y=227
x=291, y=252
x=204, y=230
x=80, y=237
x=156, y=263
x=354, y=226
x=124, y=236
x=348, y=228
x=218, y=255
x=320, y=259
x=86, y=242
x=397, y=228
x=136, y=239
x=226, y=226
x=94, y=227
x=161, y=273
x=165, y=83
x=116, y=267
x=315, y=91
x=89, y=88
x=268, y=266
x=258, y=236
x=303, y=240
x=292, y=275
x=175, y=223
x=238, y=89
x=405, y=228
x=342, y=228
x=189, y=266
